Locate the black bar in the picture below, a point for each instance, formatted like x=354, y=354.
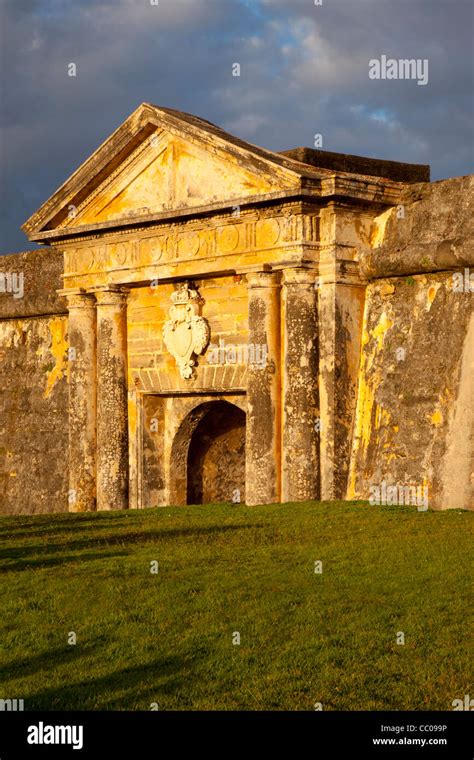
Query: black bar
x=324, y=734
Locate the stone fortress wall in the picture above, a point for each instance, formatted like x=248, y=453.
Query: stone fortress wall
x=33, y=382
x=358, y=286
x=415, y=399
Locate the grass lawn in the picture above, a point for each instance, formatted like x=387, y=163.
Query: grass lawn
x=306, y=637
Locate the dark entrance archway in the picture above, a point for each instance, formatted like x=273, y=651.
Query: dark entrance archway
x=216, y=456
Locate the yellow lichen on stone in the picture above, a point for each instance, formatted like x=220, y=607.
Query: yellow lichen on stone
x=377, y=232
x=382, y=417
x=132, y=416
x=385, y=323
x=57, y=328
x=437, y=418
x=386, y=289
x=431, y=294
x=366, y=400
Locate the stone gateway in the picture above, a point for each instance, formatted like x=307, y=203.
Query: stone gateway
x=210, y=321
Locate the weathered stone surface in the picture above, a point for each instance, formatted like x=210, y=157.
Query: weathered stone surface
x=262, y=473
x=82, y=402
x=41, y=272
x=300, y=403
x=415, y=343
x=340, y=312
x=375, y=167
x=414, y=423
x=33, y=415
x=112, y=400
x=312, y=270
x=432, y=229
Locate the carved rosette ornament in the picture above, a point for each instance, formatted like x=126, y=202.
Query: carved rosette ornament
x=186, y=334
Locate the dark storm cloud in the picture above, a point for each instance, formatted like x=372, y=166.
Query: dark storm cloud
x=304, y=70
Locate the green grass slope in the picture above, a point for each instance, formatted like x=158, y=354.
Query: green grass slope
x=305, y=637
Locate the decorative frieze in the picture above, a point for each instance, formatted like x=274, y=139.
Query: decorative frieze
x=177, y=242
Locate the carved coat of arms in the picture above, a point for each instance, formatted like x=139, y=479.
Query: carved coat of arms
x=186, y=334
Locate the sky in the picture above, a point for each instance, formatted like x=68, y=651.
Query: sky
x=304, y=71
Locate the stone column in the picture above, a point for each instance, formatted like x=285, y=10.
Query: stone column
x=262, y=445
x=82, y=400
x=112, y=401
x=300, y=434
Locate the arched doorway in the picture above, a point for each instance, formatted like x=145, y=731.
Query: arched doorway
x=216, y=456
x=207, y=462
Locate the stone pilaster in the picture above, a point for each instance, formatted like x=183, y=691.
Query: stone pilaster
x=135, y=453
x=112, y=401
x=341, y=296
x=300, y=433
x=82, y=400
x=262, y=447
x=340, y=309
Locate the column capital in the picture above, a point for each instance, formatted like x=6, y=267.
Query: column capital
x=262, y=279
x=111, y=295
x=299, y=276
x=77, y=298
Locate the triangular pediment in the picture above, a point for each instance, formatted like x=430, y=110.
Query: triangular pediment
x=159, y=162
x=166, y=174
